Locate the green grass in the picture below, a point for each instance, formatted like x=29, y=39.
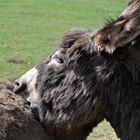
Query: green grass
x=103, y=132
x=30, y=30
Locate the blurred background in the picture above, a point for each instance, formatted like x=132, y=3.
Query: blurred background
x=31, y=29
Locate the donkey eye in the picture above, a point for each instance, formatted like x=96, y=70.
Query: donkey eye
x=59, y=60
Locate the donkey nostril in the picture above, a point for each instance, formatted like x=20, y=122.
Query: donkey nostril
x=18, y=86
x=17, y=83
x=27, y=102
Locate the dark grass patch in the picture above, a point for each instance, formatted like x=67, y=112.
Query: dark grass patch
x=16, y=61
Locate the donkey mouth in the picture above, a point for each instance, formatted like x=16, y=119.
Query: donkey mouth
x=21, y=89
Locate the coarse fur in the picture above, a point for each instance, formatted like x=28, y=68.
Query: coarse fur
x=67, y=108
x=16, y=119
x=117, y=33
x=76, y=82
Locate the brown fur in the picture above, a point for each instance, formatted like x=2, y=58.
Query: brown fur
x=16, y=120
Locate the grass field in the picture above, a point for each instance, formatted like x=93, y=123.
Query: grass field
x=30, y=30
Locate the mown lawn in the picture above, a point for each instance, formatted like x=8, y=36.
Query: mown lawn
x=30, y=30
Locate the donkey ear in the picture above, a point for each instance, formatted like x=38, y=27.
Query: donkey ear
x=71, y=36
x=133, y=6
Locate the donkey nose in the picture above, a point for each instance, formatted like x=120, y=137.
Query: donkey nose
x=18, y=86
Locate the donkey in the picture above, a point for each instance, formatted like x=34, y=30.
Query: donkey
x=16, y=119
x=76, y=87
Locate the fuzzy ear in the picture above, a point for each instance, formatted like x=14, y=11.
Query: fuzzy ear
x=71, y=36
x=121, y=31
x=133, y=6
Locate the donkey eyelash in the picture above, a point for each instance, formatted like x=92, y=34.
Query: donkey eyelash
x=59, y=60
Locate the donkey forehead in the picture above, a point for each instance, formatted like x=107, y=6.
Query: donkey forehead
x=58, y=52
